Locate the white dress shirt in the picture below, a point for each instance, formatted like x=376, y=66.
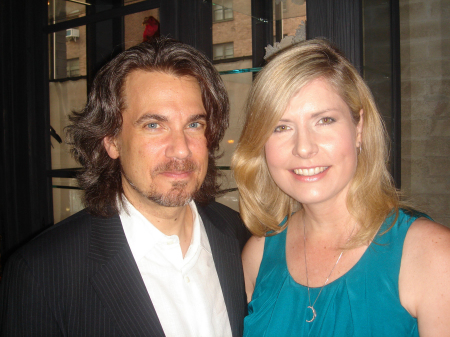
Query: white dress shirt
x=185, y=292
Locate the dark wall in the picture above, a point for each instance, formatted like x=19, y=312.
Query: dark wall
x=339, y=21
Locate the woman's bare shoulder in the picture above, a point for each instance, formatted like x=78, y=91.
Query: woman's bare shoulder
x=424, y=275
x=251, y=260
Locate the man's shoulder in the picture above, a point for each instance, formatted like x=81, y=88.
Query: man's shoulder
x=69, y=235
x=74, y=225
x=217, y=211
x=220, y=209
x=226, y=219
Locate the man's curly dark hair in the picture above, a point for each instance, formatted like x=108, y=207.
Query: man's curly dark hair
x=101, y=176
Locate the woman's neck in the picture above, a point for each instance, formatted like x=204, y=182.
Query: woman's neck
x=332, y=225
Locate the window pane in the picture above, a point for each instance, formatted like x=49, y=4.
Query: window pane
x=228, y=9
x=218, y=52
x=223, y=50
x=230, y=198
x=65, y=47
x=233, y=39
x=238, y=31
x=228, y=13
x=222, y=10
x=73, y=67
x=238, y=86
x=140, y=26
x=67, y=88
x=289, y=19
x=229, y=50
x=61, y=10
x=65, y=97
x=218, y=13
x=66, y=198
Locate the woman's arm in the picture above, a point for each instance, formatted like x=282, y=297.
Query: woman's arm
x=424, y=281
x=251, y=260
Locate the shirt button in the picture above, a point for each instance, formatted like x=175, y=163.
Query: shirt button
x=187, y=279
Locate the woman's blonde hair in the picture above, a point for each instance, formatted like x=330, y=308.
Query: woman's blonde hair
x=263, y=205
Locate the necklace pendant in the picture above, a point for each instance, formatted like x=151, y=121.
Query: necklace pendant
x=314, y=314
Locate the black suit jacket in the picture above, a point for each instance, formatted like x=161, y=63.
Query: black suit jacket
x=80, y=279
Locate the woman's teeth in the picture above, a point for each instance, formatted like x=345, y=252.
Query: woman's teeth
x=310, y=171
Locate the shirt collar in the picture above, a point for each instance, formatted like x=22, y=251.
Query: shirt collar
x=142, y=235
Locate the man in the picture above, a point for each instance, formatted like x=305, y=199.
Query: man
x=151, y=255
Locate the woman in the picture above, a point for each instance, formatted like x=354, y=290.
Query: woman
x=334, y=251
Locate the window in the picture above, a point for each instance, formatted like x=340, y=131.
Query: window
x=222, y=10
x=223, y=51
x=73, y=67
x=70, y=73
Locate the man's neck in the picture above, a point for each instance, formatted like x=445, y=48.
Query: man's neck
x=169, y=220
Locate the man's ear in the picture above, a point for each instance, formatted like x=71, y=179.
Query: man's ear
x=359, y=128
x=110, y=144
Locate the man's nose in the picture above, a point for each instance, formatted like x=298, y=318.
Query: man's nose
x=178, y=146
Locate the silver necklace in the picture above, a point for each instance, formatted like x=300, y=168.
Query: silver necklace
x=311, y=306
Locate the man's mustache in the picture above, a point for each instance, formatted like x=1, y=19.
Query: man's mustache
x=174, y=165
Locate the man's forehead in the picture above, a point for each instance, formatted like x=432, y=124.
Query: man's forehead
x=134, y=74
x=159, y=93
x=139, y=81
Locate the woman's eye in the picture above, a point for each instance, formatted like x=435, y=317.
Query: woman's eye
x=194, y=125
x=326, y=120
x=281, y=128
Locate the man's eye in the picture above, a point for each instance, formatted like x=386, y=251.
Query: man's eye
x=281, y=128
x=196, y=125
x=152, y=125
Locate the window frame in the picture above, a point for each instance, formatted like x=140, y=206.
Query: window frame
x=223, y=9
x=225, y=46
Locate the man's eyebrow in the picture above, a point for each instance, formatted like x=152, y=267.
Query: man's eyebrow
x=197, y=117
x=161, y=118
x=148, y=117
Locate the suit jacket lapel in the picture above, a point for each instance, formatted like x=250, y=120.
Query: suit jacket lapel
x=118, y=281
x=226, y=254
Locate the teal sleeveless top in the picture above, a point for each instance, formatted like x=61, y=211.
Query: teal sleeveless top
x=363, y=302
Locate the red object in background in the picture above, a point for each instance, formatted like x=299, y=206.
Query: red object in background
x=151, y=28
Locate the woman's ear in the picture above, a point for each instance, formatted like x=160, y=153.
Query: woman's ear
x=359, y=128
